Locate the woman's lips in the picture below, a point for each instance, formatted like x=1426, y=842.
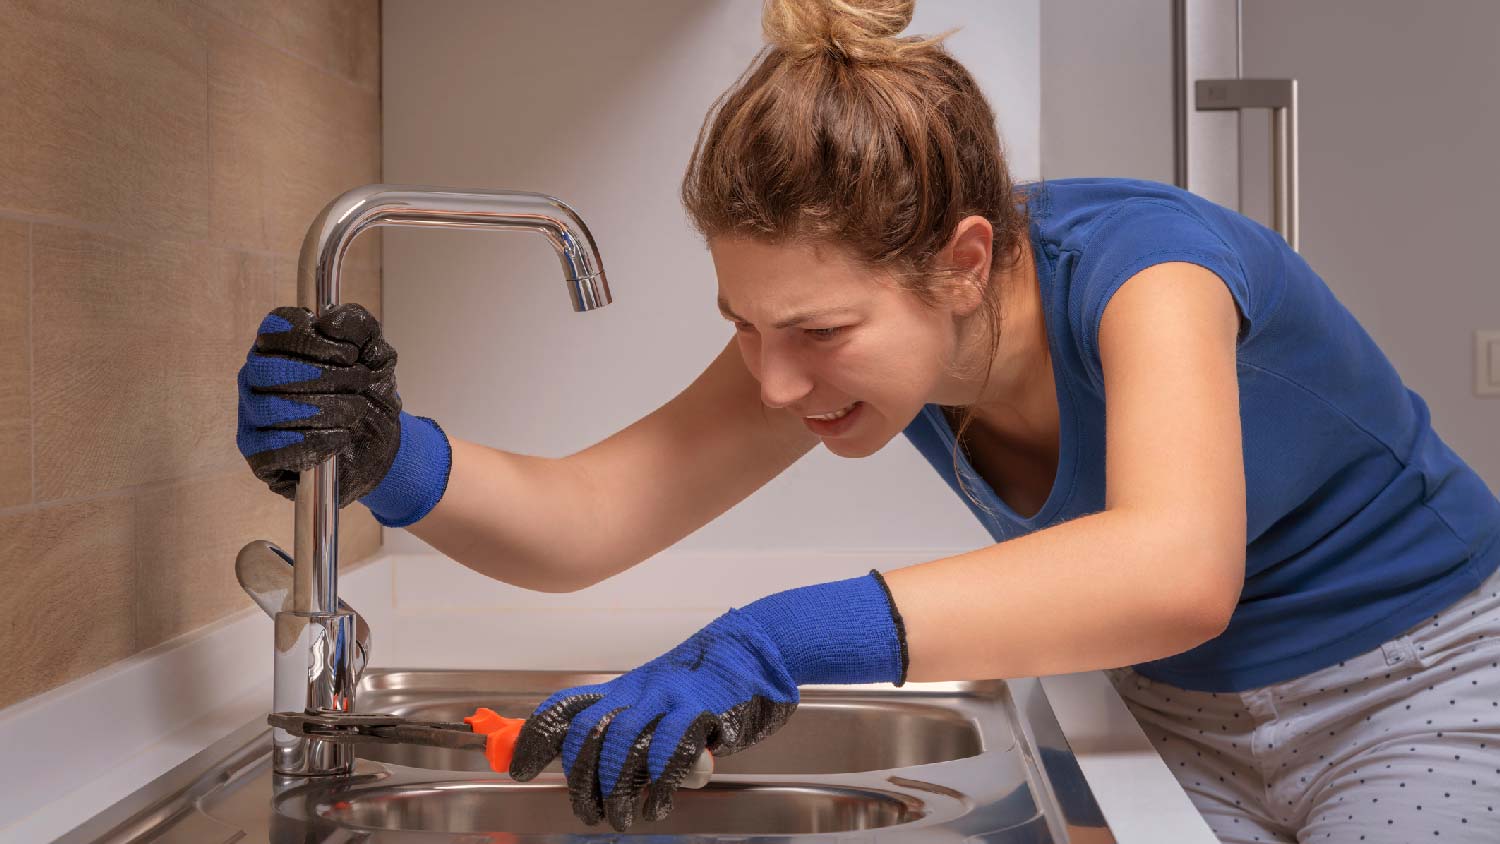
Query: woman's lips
x=835, y=427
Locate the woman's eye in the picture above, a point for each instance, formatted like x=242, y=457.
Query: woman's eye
x=824, y=333
x=743, y=326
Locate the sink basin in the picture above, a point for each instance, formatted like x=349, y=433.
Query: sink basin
x=832, y=732
x=536, y=809
x=972, y=762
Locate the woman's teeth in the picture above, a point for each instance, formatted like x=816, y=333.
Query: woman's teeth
x=837, y=414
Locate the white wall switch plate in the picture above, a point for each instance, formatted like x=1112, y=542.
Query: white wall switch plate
x=1487, y=364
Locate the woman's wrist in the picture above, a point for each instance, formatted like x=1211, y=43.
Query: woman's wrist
x=846, y=631
x=418, y=476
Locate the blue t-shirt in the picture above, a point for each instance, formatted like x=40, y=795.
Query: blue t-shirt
x=1361, y=521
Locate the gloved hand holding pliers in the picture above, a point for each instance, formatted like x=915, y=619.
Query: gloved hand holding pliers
x=726, y=687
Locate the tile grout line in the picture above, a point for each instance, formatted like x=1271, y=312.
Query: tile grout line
x=208, y=129
x=136, y=236
x=31, y=347
x=136, y=593
x=120, y=492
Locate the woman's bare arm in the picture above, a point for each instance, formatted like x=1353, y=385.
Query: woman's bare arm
x=1159, y=570
x=561, y=524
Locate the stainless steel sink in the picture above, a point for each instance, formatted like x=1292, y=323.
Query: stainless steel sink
x=832, y=732
x=980, y=762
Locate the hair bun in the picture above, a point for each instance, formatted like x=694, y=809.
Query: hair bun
x=857, y=29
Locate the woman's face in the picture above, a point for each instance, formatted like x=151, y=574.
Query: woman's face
x=821, y=335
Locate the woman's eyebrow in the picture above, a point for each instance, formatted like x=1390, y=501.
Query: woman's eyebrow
x=726, y=311
x=793, y=320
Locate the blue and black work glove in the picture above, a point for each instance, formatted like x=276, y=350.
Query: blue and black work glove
x=728, y=686
x=315, y=388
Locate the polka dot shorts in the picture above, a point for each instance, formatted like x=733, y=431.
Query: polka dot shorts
x=1399, y=744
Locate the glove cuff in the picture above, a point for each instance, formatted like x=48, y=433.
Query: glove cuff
x=847, y=631
x=418, y=476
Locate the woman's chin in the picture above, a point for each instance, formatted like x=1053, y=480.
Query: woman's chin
x=852, y=448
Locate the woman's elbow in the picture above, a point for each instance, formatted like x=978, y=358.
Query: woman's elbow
x=1210, y=603
x=1202, y=555
x=533, y=577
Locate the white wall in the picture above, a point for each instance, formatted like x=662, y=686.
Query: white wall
x=1398, y=165
x=598, y=103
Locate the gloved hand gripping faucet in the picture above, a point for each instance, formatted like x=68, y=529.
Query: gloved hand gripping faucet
x=311, y=388
x=315, y=387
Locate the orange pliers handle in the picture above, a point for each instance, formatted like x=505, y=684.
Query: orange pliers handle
x=500, y=736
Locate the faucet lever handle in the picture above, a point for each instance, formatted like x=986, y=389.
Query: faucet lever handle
x=265, y=573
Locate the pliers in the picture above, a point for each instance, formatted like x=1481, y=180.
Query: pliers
x=484, y=730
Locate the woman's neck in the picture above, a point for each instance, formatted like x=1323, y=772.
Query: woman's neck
x=1019, y=400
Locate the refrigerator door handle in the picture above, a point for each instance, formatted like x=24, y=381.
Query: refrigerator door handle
x=1279, y=95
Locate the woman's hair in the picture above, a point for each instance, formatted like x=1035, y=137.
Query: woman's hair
x=841, y=132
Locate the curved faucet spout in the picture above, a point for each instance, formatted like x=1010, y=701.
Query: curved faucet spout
x=410, y=205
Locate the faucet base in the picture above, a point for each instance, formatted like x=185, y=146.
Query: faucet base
x=314, y=673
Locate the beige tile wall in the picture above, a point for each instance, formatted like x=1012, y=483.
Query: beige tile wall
x=159, y=164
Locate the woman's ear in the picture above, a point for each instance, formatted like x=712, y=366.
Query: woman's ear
x=967, y=255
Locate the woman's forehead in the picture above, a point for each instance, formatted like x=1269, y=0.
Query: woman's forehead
x=796, y=275
x=792, y=253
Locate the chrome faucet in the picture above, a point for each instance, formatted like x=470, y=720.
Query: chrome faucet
x=316, y=639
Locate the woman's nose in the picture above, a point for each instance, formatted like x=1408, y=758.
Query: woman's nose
x=782, y=381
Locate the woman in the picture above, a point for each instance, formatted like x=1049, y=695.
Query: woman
x=1194, y=462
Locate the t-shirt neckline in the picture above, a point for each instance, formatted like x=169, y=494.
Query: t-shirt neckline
x=1062, y=485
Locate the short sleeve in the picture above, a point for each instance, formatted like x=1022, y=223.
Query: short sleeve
x=1141, y=233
